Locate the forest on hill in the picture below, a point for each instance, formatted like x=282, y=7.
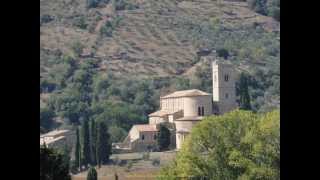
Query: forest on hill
x=110, y=60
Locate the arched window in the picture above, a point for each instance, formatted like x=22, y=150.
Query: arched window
x=155, y=137
x=202, y=111
x=226, y=77
x=142, y=137
x=199, y=111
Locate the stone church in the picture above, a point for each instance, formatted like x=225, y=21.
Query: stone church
x=181, y=110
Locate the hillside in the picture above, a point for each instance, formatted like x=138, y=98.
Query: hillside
x=159, y=40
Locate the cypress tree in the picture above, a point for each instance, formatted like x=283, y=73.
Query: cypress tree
x=86, y=143
x=77, y=154
x=163, y=138
x=103, y=144
x=244, y=102
x=92, y=174
x=93, y=142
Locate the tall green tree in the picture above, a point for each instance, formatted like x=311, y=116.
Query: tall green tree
x=237, y=145
x=243, y=91
x=163, y=138
x=53, y=165
x=77, y=154
x=93, y=136
x=103, y=144
x=86, y=157
x=92, y=174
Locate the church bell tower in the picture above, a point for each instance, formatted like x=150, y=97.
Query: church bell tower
x=223, y=86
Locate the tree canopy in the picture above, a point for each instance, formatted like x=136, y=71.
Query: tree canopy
x=237, y=145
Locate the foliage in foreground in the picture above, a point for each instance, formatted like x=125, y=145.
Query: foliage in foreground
x=53, y=165
x=238, y=145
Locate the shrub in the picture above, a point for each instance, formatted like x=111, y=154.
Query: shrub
x=92, y=174
x=156, y=162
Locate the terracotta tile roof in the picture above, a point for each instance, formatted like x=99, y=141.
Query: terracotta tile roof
x=54, y=133
x=186, y=93
x=162, y=113
x=51, y=140
x=190, y=118
x=183, y=131
x=145, y=127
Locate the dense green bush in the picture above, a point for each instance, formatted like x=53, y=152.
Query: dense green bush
x=54, y=165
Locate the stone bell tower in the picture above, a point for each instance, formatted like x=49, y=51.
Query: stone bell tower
x=223, y=86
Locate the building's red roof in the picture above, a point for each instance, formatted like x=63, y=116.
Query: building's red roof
x=145, y=127
x=186, y=93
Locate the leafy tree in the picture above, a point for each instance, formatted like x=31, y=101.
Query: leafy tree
x=243, y=91
x=103, y=144
x=47, y=86
x=86, y=158
x=77, y=154
x=163, y=138
x=222, y=52
x=237, y=145
x=181, y=83
x=68, y=105
x=117, y=134
x=92, y=174
x=46, y=118
x=53, y=165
